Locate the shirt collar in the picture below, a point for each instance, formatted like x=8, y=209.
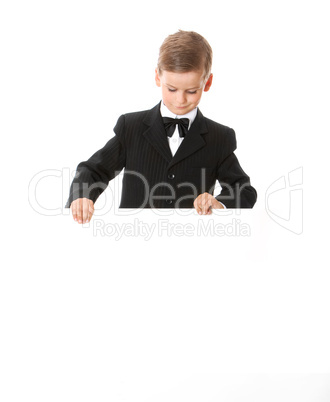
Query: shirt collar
x=165, y=112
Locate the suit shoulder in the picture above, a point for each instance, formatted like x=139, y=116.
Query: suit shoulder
x=220, y=134
x=139, y=115
x=218, y=127
x=130, y=120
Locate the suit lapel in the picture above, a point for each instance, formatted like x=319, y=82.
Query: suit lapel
x=156, y=135
x=193, y=140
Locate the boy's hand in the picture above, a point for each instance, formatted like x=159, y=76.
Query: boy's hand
x=82, y=210
x=205, y=202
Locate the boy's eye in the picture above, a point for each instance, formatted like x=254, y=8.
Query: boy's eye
x=189, y=92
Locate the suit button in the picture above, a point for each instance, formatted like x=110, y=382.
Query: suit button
x=169, y=202
x=171, y=176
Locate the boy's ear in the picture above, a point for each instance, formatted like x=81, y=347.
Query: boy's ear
x=157, y=78
x=208, y=83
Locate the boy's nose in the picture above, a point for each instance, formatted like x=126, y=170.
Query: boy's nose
x=181, y=99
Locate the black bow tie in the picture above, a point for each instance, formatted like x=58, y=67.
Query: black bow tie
x=170, y=124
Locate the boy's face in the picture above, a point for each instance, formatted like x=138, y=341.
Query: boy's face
x=182, y=92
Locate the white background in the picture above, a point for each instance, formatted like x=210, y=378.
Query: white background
x=87, y=315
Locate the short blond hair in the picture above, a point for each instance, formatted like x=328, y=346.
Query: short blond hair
x=185, y=51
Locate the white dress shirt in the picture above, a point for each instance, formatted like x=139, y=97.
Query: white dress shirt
x=175, y=140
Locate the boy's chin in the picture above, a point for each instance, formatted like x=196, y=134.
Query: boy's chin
x=181, y=110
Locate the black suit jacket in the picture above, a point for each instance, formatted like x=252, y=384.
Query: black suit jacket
x=153, y=178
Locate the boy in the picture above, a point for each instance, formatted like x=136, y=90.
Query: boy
x=172, y=154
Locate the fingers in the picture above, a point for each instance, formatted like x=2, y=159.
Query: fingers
x=90, y=210
x=203, y=204
x=82, y=210
x=73, y=208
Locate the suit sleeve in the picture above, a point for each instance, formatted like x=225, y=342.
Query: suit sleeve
x=237, y=191
x=92, y=176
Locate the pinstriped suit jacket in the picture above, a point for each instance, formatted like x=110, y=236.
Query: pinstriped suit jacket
x=153, y=178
